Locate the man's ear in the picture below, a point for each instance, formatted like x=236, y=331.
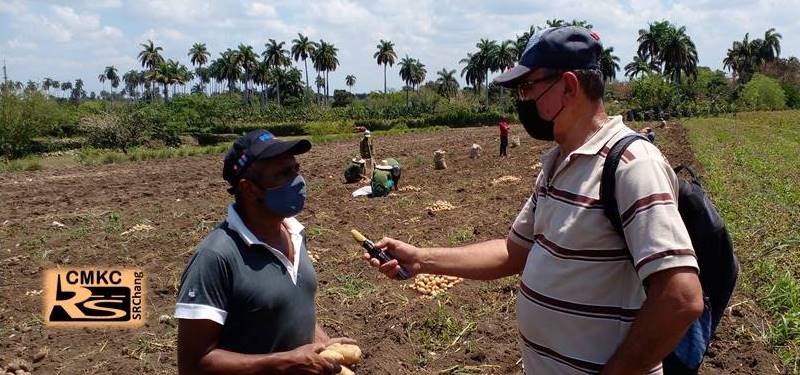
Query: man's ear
x=571, y=85
x=247, y=188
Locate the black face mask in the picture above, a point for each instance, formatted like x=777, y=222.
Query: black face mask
x=534, y=124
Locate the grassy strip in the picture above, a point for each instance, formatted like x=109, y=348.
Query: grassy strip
x=90, y=156
x=752, y=164
x=27, y=164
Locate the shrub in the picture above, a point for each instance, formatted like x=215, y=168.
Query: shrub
x=21, y=119
x=763, y=93
x=792, y=96
x=121, y=130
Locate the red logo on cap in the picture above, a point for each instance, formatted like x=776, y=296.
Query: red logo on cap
x=595, y=35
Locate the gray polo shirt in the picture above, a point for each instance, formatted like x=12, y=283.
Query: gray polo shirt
x=264, y=303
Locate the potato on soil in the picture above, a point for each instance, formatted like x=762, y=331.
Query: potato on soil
x=350, y=352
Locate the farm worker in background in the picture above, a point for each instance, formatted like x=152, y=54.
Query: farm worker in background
x=649, y=133
x=246, y=301
x=365, y=147
x=503, y=136
x=582, y=307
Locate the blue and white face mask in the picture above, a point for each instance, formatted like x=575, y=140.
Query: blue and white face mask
x=287, y=200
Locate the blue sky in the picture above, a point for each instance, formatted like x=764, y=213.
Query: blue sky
x=65, y=40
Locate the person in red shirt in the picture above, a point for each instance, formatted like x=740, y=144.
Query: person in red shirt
x=503, y=136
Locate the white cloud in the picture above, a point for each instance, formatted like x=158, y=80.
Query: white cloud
x=21, y=44
x=96, y=4
x=438, y=32
x=260, y=9
x=13, y=7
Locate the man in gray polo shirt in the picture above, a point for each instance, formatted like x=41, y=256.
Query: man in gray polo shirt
x=582, y=306
x=246, y=302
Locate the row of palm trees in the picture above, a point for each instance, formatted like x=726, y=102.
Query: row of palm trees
x=745, y=57
x=664, y=48
x=74, y=90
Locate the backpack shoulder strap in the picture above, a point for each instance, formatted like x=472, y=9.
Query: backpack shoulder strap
x=608, y=180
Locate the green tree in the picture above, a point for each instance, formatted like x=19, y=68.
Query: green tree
x=671, y=48
x=385, y=56
x=198, y=56
x=447, y=85
x=350, y=81
x=131, y=80
x=113, y=77
x=150, y=57
x=302, y=49
x=472, y=72
x=406, y=67
x=487, y=60
x=763, y=93
x=640, y=65
x=247, y=59
x=325, y=60
x=522, y=41
x=652, y=92
x=609, y=64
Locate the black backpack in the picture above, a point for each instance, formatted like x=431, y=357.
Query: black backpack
x=712, y=245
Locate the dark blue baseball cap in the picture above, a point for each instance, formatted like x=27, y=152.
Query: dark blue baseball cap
x=257, y=145
x=562, y=48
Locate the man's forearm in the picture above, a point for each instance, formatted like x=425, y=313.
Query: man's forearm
x=481, y=261
x=320, y=336
x=220, y=361
x=659, y=326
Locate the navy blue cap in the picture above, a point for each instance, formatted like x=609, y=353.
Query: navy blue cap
x=562, y=48
x=257, y=145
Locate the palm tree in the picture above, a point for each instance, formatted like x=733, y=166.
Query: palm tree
x=302, y=48
x=472, y=72
x=275, y=56
x=556, y=22
x=580, y=23
x=670, y=48
x=678, y=54
x=522, y=40
x=350, y=81
x=639, y=66
x=320, y=83
x=741, y=59
x=198, y=55
x=504, y=57
x=46, y=84
x=609, y=64
x=487, y=60
x=385, y=56
x=418, y=73
x=66, y=86
x=446, y=83
x=228, y=69
x=650, y=41
x=262, y=77
x=247, y=60
x=131, y=79
x=113, y=77
x=150, y=57
x=406, y=66
x=771, y=45
x=102, y=78
x=325, y=60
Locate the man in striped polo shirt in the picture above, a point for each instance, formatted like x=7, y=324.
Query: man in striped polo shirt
x=582, y=306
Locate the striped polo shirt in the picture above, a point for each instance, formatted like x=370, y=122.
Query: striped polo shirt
x=582, y=284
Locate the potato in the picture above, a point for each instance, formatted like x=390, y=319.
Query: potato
x=346, y=371
x=350, y=352
x=332, y=356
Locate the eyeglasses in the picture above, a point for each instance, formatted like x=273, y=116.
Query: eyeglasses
x=525, y=88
